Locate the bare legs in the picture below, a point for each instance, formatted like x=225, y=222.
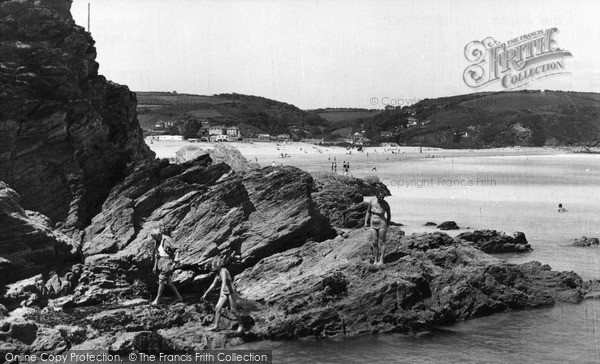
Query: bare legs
x=374, y=235
x=161, y=289
x=233, y=305
x=381, y=242
x=378, y=244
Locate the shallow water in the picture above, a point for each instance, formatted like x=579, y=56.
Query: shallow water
x=524, y=196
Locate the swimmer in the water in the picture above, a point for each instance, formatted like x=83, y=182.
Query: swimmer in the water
x=378, y=217
x=561, y=208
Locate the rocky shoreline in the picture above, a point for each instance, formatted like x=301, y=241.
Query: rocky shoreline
x=81, y=192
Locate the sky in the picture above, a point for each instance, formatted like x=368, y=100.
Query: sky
x=338, y=53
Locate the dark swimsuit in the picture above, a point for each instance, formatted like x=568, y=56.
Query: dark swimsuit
x=228, y=289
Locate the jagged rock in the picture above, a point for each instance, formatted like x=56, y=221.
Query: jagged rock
x=585, y=241
x=448, y=225
x=219, y=154
x=48, y=339
x=341, y=198
x=67, y=134
x=428, y=280
x=491, y=241
x=28, y=244
x=207, y=209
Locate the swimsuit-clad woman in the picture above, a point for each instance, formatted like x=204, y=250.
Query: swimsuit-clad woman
x=376, y=216
x=228, y=292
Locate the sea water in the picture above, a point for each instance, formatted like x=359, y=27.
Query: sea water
x=505, y=193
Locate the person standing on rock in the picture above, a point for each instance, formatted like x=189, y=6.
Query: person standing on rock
x=228, y=292
x=165, y=259
x=378, y=217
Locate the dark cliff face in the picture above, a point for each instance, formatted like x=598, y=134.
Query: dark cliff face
x=67, y=135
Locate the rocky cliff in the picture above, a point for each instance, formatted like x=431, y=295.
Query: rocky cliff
x=67, y=134
x=28, y=244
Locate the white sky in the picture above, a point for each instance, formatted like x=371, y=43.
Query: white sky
x=338, y=53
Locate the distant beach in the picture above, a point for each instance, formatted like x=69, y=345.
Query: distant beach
x=313, y=158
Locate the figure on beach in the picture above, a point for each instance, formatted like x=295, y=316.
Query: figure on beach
x=378, y=217
x=228, y=292
x=561, y=208
x=166, y=257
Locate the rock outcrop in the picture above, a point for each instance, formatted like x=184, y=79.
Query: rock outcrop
x=448, y=225
x=492, y=241
x=341, y=198
x=67, y=134
x=314, y=290
x=585, y=241
x=329, y=288
x=207, y=209
x=220, y=153
x=28, y=243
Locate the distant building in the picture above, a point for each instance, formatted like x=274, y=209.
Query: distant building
x=264, y=137
x=233, y=131
x=412, y=121
x=216, y=130
x=357, y=139
x=283, y=137
x=387, y=134
x=163, y=124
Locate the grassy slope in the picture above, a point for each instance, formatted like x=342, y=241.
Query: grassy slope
x=251, y=113
x=524, y=118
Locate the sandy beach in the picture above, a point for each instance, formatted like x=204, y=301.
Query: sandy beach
x=312, y=158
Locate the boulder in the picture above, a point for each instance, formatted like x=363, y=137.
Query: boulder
x=492, y=241
x=448, y=225
x=68, y=134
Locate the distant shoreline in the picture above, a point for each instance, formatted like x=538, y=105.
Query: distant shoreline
x=312, y=158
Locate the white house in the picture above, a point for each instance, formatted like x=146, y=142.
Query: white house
x=233, y=131
x=216, y=130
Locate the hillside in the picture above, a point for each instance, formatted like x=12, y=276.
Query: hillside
x=523, y=118
x=252, y=114
x=480, y=120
